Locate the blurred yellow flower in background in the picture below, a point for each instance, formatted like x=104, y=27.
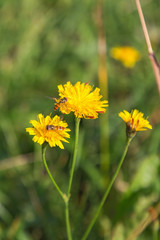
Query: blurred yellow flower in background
x=81, y=99
x=127, y=55
x=134, y=121
x=51, y=130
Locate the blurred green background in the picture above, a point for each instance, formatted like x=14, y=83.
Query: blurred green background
x=44, y=43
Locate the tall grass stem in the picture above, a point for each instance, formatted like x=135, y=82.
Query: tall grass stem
x=155, y=64
x=103, y=83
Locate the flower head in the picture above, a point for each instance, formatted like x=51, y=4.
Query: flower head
x=51, y=130
x=134, y=122
x=81, y=99
x=127, y=55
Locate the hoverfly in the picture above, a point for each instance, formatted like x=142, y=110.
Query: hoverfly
x=58, y=101
x=53, y=127
x=62, y=100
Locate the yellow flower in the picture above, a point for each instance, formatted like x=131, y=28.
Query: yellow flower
x=51, y=130
x=127, y=55
x=80, y=99
x=134, y=121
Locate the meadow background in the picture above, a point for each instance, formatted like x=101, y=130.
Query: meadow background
x=44, y=43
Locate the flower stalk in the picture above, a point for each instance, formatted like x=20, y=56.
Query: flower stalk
x=71, y=179
x=69, y=234
x=44, y=146
x=63, y=196
x=107, y=191
x=74, y=155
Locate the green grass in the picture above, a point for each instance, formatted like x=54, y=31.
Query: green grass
x=46, y=43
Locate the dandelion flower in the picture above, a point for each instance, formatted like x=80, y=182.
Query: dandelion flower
x=51, y=130
x=127, y=55
x=81, y=99
x=134, y=122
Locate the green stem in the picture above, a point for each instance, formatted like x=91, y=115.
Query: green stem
x=74, y=155
x=44, y=146
x=68, y=222
x=107, y=192
x=71, y=178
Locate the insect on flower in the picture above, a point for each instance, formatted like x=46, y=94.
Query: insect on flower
x=40, y=130
x=82, y=100
x=59, y=102
x=53, y=127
